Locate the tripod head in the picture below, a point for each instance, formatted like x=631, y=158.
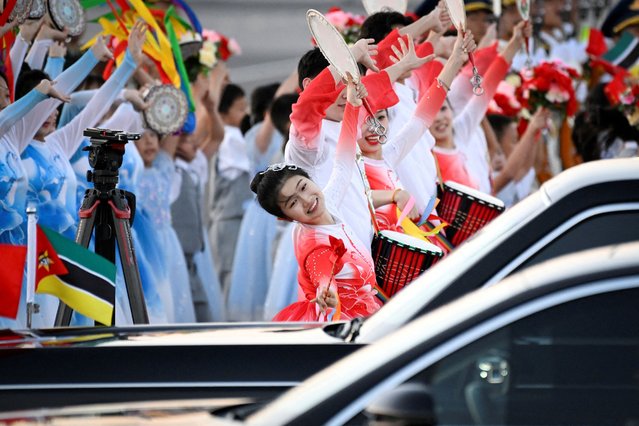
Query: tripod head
x=105, y=155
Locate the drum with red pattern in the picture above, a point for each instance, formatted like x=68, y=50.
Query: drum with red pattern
x=466, y=210
x=399, y=259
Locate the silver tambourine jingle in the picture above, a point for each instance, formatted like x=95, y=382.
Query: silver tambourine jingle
x=475, y=81
x=374, y=126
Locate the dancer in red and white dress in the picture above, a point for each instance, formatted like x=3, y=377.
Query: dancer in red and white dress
x=452, y=135
x=381, y=162
x=337, y=275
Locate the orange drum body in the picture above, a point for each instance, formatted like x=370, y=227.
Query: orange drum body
x=400, y=258
x=466, y=210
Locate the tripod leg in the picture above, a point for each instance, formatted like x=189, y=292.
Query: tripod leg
x=88, y=210
x=121, y=215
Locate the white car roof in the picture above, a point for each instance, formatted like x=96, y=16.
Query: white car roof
x=410, y=300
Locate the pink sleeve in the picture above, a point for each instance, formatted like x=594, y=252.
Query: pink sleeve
x=381, y=94
x=426, y=75
x=476, y=108
x=430, y=104
x=310, y=108
x=414, y=129
x=384, y=51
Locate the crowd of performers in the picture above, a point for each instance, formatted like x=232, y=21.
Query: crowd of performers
x=260, y=207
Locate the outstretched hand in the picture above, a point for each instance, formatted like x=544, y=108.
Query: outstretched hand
x=363, y=51
x=136, y=41
x=46, y=88
x=440, y=18
x=101, y=51
x=406, y=55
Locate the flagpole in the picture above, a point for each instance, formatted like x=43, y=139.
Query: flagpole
x=32, y=220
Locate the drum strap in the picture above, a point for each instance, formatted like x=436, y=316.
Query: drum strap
x=367, y=188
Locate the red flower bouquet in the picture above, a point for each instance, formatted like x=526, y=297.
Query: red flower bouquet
x=551, y=86
x=224, y=47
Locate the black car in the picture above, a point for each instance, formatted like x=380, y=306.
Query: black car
x=591, y=205
x=557, y=344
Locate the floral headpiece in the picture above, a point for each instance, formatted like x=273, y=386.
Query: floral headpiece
x=549, y=85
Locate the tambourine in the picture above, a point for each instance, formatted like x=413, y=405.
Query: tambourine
x=20, y=11
x=374, y=6
x=67, y=14
x=38, y=9
x=168, y=109
x=336, y=51
x=458, y=16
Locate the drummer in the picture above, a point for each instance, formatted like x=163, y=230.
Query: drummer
x=315, y=125
x=381, y=161
x=336, y=272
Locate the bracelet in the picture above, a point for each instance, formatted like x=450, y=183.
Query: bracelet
x=442, y=84
x=395, y=192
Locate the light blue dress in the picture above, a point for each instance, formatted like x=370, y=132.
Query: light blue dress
x=252, y=265
x=154, y=188
x=283, y=287
x=260, y=161
x=19, y=125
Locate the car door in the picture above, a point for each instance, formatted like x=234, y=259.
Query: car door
x=565, y=358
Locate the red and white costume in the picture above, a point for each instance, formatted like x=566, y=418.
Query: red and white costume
x=465, y=163
x=381, y=173
x=313, y=140
x=332, y=255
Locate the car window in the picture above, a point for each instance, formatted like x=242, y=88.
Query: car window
x=596, y=231
x=576, y=363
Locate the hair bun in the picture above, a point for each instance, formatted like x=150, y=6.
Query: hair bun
x=257, y=179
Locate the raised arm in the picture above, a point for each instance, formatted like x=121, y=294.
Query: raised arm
x=15, y=111
x=429, y=104
x=346, y=147
x=310, y=109
x=474, y=111
x=69, y=137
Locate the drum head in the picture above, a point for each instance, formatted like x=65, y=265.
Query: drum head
x=332, y=44
x=478, y=195
x=168, y=109
x=374, y=6
x=69, y=14
x=457, y=13
x=410, y=241
x=38, y=9
x=20, y=11
x=523, y=6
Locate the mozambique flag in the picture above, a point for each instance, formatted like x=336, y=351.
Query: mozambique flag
x=80, y=278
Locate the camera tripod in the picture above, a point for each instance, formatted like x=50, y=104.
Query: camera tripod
x=109, y=211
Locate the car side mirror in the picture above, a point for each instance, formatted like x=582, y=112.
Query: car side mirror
x=409, y=403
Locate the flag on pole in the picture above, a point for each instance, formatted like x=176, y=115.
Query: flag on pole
x=80, y=278
x=11, y=272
